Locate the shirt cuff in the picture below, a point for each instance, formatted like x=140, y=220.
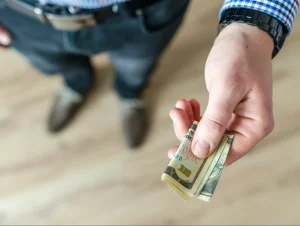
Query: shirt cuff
x=283, y=10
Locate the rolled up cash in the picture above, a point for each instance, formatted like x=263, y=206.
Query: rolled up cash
x=190, y=176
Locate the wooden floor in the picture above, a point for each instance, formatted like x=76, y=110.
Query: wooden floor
x=85, y=175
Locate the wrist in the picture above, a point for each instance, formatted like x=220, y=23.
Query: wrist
x=251, y=37
x=256, y=18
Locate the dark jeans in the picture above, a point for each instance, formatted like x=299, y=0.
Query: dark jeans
x=134, y=45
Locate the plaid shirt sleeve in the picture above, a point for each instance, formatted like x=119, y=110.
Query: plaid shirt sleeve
x=283, y=10
x=87, y=4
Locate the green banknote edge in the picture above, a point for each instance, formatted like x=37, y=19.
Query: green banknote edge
x=208, y=190
x=214, y=159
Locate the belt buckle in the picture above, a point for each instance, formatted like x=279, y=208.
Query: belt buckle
x=69, y=23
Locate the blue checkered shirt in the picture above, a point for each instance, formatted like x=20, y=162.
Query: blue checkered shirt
x=283, y=10
x=86, y=4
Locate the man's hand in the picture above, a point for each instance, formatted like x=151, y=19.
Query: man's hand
x=5, y=38
x=238, y=76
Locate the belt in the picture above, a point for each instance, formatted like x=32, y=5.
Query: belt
x=72, y=19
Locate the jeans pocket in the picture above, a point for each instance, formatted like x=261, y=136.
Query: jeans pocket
x=1, y=5
x=160, y=15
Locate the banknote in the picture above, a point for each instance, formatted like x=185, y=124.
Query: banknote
x=192, y=177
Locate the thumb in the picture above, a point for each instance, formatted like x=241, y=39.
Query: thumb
x=4, y=37
x=213, y=124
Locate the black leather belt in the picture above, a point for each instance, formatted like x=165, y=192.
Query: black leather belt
x=70, y=18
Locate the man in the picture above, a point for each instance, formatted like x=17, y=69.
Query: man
x=238, y=71
x=59, y=36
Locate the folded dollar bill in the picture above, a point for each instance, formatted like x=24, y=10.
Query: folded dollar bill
x=192, y=177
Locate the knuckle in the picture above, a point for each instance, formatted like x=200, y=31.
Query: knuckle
x=215, y=125
x=173, y=113
x=267, y=126
x=181, y=103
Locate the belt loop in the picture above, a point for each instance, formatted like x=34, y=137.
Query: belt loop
x=126, y=9
x=39, y=11
x=141, y=19
x=115, y=8
x=130, y=8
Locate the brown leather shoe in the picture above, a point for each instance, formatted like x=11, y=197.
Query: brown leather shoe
x=65, y=106
x=134, y=122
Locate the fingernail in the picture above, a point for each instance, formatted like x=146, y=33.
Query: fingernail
x=4, y=40
x=201, y=149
